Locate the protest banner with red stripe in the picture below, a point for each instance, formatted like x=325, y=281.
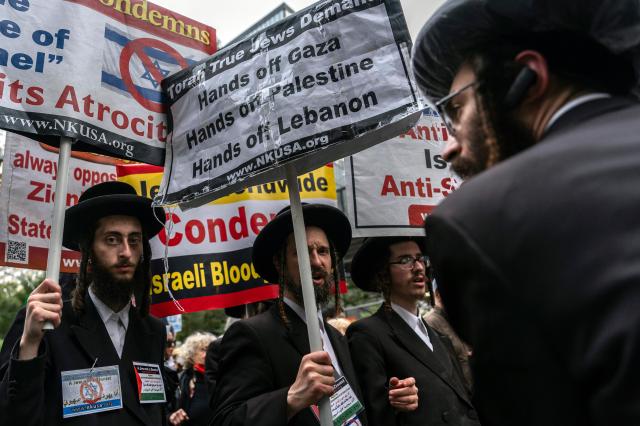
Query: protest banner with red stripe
x=209, y=248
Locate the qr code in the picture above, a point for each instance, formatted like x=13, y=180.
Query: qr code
x=17, y=252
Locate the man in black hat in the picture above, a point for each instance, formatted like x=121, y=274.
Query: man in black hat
x=105, y=354
x=536, y=255
x=395, y=343
x=266, y=374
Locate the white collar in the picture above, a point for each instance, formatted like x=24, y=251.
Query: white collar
x=299, y=310
x=409, y=317
x=574, y=103
x=106, y=312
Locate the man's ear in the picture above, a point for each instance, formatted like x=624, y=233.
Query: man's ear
x=532, y=82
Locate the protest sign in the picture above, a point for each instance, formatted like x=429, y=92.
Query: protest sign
x=319, y=85
x=27, y=196
x=209, y=248
x=409, y=179
x=91, y=70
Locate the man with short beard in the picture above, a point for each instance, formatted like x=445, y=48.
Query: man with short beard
x=266, y=374
x=101, y=335
x=536, y=255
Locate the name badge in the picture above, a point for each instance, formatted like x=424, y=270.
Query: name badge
x=345, y=405
x=150, y=383
x=91, y=390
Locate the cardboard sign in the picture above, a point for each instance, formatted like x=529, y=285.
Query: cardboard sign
x=91, y=70
x=409, y=179
x=209, y=248
x=26, y=199
x=319, y=85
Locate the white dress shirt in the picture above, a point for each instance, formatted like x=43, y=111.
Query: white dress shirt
x=116, y=323
x=414, y=322
x=326, y=343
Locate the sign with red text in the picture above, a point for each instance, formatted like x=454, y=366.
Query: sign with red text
x=208, y=249
x=26, y=199
x=321, y=84
x=392, y=187
x=91, y=70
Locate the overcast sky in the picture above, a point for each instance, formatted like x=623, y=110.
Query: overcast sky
x=232, y=17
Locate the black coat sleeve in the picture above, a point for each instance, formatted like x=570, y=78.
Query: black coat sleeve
x=368, y=361
x=211, y=362
x=245, y=391
x=22, y=388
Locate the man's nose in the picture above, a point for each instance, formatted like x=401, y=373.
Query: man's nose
x=125, y=250
x=314, y=258
x=452, y=149
x=418, y=265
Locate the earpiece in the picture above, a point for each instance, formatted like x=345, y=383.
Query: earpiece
x=523, y=81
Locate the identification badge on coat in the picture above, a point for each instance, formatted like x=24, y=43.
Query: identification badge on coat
x=91, y=390
x=345, y=405
x=150, y=383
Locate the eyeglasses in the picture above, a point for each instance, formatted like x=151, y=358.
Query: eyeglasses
x=445, y=111
x=409, y=262
x=171, y=344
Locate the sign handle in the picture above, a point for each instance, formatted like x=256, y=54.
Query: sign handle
x=304, y=265
x=57, y=222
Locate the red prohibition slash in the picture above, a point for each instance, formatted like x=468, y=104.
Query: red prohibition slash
x=91, y=391
x=136, y=47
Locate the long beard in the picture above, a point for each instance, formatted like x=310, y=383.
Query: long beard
x=322, y=292
x=112, y=291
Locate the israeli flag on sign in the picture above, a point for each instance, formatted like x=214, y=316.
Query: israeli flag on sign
x=138, y=64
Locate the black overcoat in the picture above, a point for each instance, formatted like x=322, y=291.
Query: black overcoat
x=538, y=263
x=259, y=362
x=30, y=391
x=384, y=346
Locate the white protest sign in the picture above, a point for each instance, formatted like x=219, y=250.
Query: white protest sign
x=29, y=173
x=409, y=179
x=321, y=84
x=91, y=70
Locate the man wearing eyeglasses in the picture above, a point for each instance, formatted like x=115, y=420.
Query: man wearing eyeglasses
x=395, y=353
x=537, y=254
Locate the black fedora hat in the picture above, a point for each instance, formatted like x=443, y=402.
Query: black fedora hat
x=109, y=199
x=458, y=27
x=368, y=259
x=330, y=219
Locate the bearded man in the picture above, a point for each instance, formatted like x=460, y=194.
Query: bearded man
x=95, y=367
x=536, y=255
x=266, y=374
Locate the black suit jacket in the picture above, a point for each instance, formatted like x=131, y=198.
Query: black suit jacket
x=30, y=391
x=384, y=346
x=211, y=360
x=538, y=263
x=260, y=360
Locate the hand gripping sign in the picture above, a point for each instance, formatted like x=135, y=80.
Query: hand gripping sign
x=302, y=93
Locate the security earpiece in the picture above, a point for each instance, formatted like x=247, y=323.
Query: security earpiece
x=523, y=82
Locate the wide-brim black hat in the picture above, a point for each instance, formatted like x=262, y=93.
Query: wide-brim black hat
x=330, y=219
x=109, y=199
x=459, y=26
x=367, y=261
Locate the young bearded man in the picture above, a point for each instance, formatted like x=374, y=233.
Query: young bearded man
x=85, y=371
